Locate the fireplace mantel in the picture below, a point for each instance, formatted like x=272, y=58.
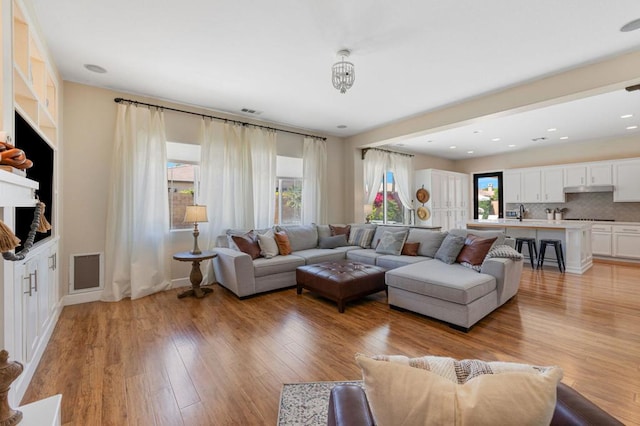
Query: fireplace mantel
x=16, y=191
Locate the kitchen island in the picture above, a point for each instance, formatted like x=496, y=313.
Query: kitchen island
x=575, y=237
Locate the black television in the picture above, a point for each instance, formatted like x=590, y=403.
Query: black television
x=38, y=151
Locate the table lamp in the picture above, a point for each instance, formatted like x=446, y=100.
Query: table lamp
x=195, y=214
x=368, y=209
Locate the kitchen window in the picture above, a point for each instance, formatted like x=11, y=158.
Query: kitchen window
x=487, y=196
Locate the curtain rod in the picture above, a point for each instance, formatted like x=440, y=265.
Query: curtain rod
x=364, y=152
x=244, y=123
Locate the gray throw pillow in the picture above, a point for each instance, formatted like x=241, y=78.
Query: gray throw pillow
x=392, y=242
x=333, y=242
x=450, y=249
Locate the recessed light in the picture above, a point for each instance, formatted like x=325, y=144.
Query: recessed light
x=626, y=116
x=452, y=147
x=341, y=126
x=95, y=68
x=469, y=152
x=495, y=139
x=553, y=129
x=564, y=138
x=511, y=146
x=630, y=26
x=632, y=127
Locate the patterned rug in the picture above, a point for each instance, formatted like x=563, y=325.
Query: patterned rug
x=306, y=403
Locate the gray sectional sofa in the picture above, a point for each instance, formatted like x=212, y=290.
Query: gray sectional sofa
x=453, y=293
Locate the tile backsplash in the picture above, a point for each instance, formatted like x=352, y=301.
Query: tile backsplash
x=591, y=205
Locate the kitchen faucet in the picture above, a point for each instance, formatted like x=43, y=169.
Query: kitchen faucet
x=521, y=212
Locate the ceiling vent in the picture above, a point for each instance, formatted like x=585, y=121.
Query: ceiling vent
x=542, y=138
x=251, y=111
x=632, y=88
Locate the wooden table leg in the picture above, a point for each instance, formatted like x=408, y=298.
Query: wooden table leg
x=196, y=278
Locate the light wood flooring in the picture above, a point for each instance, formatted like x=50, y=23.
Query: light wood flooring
x=219, y=360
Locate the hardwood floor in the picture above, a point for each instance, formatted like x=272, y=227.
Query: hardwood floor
x=219, y=360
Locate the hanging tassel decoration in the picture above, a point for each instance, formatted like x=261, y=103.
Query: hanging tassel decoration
x=43, y=224
x=8, y=241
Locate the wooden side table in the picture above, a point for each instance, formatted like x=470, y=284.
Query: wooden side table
x=196, y=275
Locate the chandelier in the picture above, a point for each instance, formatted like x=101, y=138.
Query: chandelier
x=343, y=73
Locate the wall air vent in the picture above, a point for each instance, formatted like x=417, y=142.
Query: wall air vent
x=86, y=272
x=251, y=111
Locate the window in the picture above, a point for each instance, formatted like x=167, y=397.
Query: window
x=386, y=207
x=183, y=181
x=288, y=191
x=487, y=195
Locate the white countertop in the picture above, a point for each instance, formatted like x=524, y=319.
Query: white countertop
x=530, y=223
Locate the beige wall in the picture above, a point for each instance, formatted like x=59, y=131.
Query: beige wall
x=89, y=122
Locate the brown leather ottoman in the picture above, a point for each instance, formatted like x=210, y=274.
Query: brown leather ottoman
x=341, y=281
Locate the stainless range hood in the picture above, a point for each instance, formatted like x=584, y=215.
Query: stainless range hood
x=590, y=188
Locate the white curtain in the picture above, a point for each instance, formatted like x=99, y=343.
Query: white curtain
x=137, y=259
x=263, y=160
x=314, y=181
x=375, y=166
x=402, y=168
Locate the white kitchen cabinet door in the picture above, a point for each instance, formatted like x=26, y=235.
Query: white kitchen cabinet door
x=601, y=243
x=600, y=174
x=552, y=179
x=575, y=175
x=531, y=186
x=439, y=190
x=626, y=245
x=626, y=175
x=29, y=286
x=512, y=187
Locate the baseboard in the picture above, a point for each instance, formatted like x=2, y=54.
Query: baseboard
x=85, y=297
x=180, y=282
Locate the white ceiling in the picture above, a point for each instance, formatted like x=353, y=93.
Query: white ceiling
x=411, y=56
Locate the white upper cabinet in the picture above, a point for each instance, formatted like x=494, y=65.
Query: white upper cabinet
x=552, y=185
x=512, y=186
x=626, y=178
x=588, y=174
x=531, y=186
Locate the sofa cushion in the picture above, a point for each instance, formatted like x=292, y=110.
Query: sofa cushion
x=430, y=241
x=263, y=267
x=390, y=261
x=361, y=237
x=324, y=231
x=391, y=242
x=282, y=240
x=248, y=245
x=410, y=249
x=400, y=393
x=333, y=242
x=450, y=248
x=319, y=255
x=475, y=250
x=480, y=233
x=433, y=278
x=367, y=256
x=301, y=237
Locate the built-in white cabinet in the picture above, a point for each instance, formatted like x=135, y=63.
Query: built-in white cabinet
x=539, y=185
x=626, y=179
x=449, y=194
x=601, y=240
x=588, y=174
x=626, y=241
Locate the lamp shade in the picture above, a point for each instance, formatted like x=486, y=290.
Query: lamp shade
x=195, y=214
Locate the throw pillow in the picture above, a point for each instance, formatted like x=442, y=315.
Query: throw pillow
x=247, y=234
x=333, y=242
x=475, y=249
x=430, y=241
x=301, y=237
x=282, y=240
x=449, y=249
x=361, y=237
x=410, y=249
x=436, y=390
x=505, y=252
x=340, y=230
x=268, y=245
x=247, y=245
x=391, y=242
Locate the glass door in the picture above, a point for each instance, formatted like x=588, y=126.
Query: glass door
x=487, y=196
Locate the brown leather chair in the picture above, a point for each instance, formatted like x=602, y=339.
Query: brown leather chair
x=348, y=406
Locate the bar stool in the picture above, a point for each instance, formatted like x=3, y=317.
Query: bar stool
x=557, y=244
x=533, y=248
